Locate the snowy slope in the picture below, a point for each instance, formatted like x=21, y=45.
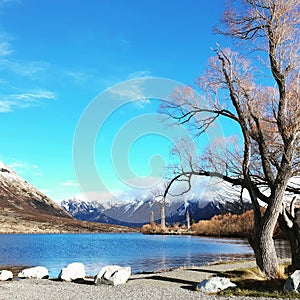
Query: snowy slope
x=18, y=196
x=138, y=210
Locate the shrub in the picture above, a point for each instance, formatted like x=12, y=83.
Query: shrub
x=226, y=225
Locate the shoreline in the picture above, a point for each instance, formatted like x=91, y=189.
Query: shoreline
x=15, y=268
x=168, y=285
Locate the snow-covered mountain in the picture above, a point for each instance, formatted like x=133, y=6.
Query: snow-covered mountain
x=24, y=209
x=17, y=196
x=137, y=211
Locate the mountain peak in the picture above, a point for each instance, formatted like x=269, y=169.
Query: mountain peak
x=17, y=196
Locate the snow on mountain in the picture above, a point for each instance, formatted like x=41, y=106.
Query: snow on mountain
x=17, y=196
x=218, y=198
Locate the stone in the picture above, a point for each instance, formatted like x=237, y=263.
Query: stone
x=113, y=275
x=6, y=275
x=214, y=285
x=292, y=283
x=35, y=272
x=72, y=272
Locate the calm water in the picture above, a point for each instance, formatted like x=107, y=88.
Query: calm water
x=143, y=253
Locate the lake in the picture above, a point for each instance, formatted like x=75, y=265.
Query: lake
x=144, y=253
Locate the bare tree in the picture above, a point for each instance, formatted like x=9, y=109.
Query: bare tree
x=289, y=222
x=158, y=194
x=256, y=88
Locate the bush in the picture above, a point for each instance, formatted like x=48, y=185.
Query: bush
x=226, y=225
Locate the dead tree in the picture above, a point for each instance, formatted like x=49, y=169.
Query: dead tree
x=257, y=89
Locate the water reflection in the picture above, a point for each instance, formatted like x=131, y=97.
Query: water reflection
x=142, y=253
x=283, y=249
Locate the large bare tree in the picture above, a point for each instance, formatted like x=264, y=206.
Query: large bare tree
x=256, y=87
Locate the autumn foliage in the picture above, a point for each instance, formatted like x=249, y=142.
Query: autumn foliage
x=226, y=225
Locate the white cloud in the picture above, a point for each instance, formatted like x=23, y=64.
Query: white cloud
x=42, y=94
x=5, y=48
x=3, y=2
x=139, y=74
x=3, y=81
x=5, y=45
x=142, y=102
x=78, y=76
x=17, y=164
x=38, y=173
x=5, y=106
x=22, y=167
x=30, y=69
x=131, y=91
x=69, y=183
x=82, y=78
x=9, y=103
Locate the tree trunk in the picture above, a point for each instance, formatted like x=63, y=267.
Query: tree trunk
x=265, y=254
x=293, y=235
x=262, y=239
x=163, y=217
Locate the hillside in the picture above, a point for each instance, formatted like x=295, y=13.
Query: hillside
x=24, y=209
x=19, y=197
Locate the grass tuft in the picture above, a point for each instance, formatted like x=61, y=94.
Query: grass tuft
x=252, y=282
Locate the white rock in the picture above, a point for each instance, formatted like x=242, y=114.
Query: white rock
x=36, y=272
x=6, y=275
x=292, y=283
x=72, y=272
x=113, y=275
x=214, y=285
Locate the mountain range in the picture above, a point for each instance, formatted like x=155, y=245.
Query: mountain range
x=25, y=209
x=137, y=211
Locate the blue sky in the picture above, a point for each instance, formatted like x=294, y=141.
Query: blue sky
x=56, y=56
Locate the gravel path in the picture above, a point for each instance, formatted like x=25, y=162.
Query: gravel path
x=173, y=285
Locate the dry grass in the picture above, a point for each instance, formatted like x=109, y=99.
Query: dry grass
x=156, y=229
x=253, y=274
x=281, y=272
x=252, y=282
x=226, y=225
x=42, y=223
x=221, y=225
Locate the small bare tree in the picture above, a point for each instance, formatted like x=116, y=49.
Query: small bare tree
x=158, y=193
x=257, y=89
x=188, y=221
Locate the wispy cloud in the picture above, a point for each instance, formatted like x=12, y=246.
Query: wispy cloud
x=22, y=167
x=5, y=48
x=3, y=81
x=5, y=2
x=22, y=68
x=5, y=44
x=133, y=90
x=82, y=77
x=27, y=69
x=139, y=74
x=9, y=103
x=129, y=92
x=78, y=76
x=12, y=100
x=69, y=183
